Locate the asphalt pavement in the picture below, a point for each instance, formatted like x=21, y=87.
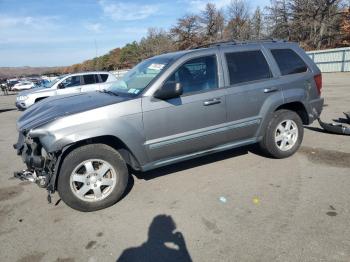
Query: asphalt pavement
x=232, y=206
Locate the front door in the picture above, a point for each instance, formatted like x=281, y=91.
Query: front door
x=190, y=123
x=71, y=85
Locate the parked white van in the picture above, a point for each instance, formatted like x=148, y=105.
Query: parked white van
x=67, y=84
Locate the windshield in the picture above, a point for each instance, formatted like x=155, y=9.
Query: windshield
x=42, y=84
x=140, y=76
x=50, y=84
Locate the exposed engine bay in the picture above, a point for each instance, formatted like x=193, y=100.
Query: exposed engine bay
x=40, y=164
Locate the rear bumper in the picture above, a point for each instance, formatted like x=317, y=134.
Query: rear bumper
x=315, y=109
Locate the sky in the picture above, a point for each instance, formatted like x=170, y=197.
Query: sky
x=64, y=32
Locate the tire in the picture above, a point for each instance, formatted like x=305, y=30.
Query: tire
x=272, y=144
x=92, y=177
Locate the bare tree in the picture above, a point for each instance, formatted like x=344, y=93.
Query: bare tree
x=316, y=23
x=345, y=27
x=257, y=24
x=186, y=33
x=238, y=26
x=212, y=22
x=157, y=42
x=278, y=18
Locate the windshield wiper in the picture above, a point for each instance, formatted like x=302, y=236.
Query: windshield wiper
x=108, y=92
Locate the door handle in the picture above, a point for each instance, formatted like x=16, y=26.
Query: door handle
x=270, y=90
x=212, y=102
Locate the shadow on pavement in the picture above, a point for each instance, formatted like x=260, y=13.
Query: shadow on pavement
x=320, y=130
x=129, y=186
x=341, y=120
x=316, y=129
x=8, y=94
x=200, y=161
x=164, y=243
x=7, y=109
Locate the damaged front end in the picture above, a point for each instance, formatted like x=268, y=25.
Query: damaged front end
x=40, y=164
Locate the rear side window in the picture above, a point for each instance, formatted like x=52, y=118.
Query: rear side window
x=247, y=66
x=288, y=61
x=104, y=77
x=89, y=79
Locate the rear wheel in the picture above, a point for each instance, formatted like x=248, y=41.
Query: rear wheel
x=284, y=134
x=92, y=177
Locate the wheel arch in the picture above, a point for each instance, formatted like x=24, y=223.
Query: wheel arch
x=269, y=110
x=39, y=99
x=299, y=108
x=109, y=140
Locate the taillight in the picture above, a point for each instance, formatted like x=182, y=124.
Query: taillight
x=318, y=82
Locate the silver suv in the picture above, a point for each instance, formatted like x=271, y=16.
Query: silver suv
x=67, y=84
x=167, y=109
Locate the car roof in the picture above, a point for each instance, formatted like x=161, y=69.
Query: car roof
x=232, y=43
x=88, y=73
x=173, y=55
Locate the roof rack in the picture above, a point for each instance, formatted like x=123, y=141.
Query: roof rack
x=237, y=42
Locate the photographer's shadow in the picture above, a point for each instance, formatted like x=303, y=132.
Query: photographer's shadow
x=163, y=244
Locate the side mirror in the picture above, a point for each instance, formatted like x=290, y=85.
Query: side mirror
x=170, y=89
x=60, y=86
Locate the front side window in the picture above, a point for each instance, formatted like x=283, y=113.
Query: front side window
x=71, y=81
x=196, y=75
x=50, y=84
x=89, y=79
x=288, y=61
x=247, y=66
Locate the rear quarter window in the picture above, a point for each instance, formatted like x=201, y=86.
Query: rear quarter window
x=288, y=61
x=247, y=66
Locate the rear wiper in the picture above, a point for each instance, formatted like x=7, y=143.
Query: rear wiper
x=108, y=92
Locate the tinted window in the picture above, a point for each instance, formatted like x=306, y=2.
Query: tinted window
x=247, y=66
x=89, y=79
x=71, y=81
x=198, y=74
x=288, y=61
x=104, y=77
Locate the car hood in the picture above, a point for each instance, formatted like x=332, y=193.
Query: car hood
x=34, y=90
x=53, y=108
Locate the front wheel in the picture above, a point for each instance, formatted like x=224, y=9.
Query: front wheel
x=283, y=135
x=92, y=177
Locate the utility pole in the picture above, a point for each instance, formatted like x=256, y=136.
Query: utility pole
x=96, y=54
x=95, y=48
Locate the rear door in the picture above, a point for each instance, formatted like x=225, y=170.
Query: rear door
x=296, y=76
x=103, y=84
x=90, y=83
x=252, y=86
x=192, y=122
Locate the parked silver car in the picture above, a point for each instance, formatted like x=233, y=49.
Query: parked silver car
x=167, y=109
x=67, y=84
